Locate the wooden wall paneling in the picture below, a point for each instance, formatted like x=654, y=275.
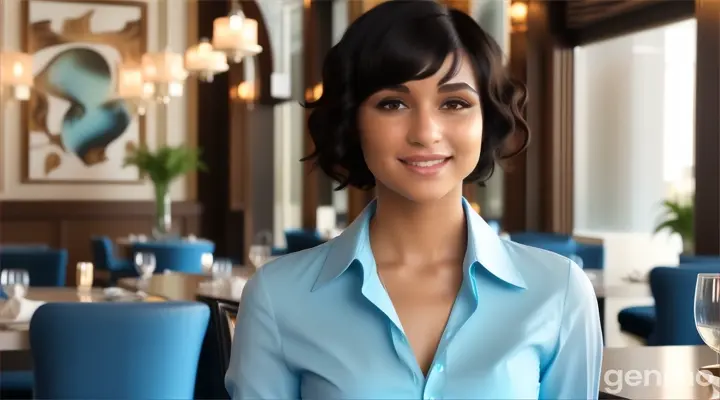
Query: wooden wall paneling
x=539, y=184
x=587, y=21
x=191, y=94
x=71, y=224
x=312, y=76
x=707, y=126
x=213, y=127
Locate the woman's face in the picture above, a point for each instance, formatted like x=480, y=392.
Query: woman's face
x=422, y=138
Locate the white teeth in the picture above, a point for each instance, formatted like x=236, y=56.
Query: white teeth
x=426, y=163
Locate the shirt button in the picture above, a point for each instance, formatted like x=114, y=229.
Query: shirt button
x=439, y=368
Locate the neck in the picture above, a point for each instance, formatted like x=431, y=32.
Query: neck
x=406, y=232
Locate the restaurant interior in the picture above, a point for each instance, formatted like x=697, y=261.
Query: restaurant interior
x=124, y=250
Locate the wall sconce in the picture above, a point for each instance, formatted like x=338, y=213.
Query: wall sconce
x=236, y=35
x=204, y=61
x=133, y=88
x=518, y=16
x=165, y=73
x=16, y=74
x=314, y=93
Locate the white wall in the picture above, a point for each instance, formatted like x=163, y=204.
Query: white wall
x=634, y=131
x=172, y=124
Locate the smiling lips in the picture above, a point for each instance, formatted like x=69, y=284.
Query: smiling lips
x=426, y=165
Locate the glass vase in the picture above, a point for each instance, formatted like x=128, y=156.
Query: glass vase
x=163, y=212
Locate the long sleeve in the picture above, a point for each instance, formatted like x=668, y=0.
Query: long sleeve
x=575, y=369
x=257, y=367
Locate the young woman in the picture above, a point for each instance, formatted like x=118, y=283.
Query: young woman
x=418, y=298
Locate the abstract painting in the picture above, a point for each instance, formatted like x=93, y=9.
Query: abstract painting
x=77, y=130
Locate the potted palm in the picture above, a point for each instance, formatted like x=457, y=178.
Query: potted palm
x=678, y=217
x=163, y=166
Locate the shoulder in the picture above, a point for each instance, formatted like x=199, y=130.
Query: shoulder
x=550, y=274
x=294, y=272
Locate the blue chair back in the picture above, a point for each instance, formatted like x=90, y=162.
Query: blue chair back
x=557, y=243
x=674, y=291
x=102, y=251
x=117, y=350
x=302, y=239
x=46, y=266
x=176, y=255
x=592, y=255
x=698, y=259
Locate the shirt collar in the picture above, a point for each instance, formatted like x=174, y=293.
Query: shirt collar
x=484, y=248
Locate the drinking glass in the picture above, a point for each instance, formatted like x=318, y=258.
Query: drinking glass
x=259, y=254
x=206, y=260
x=14, y=282
x=145, y=264
x=707, y=309
x=84, y=276
x=221, y=269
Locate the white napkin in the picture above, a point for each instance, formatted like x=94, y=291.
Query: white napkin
x=18, y=309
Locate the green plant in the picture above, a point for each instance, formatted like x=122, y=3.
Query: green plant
x=163, y=166
x=166, y=163
x=679, y=217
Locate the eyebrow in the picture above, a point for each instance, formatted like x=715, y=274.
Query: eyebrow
x=448, y=87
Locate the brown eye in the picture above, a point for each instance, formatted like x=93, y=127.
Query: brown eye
x=391, y=105
x=455, y=105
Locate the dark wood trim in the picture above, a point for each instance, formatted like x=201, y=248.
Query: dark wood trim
x=707, y=126
x=608, y=19
x=538, y=190
x=213, y=127
x=33, y=210
x=70, y=224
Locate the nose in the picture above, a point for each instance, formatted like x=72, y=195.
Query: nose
x=425, y=130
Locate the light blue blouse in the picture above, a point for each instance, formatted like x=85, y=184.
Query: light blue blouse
x=318, y=324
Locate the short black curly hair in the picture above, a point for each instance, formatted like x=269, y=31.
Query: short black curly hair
x=396, y=42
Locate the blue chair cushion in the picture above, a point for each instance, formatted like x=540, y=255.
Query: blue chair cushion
x=16, y=380
x=638, y=320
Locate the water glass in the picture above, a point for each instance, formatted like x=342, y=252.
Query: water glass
x=145, y=264
x=221, y=269
x=84, y=276
x=206, y=261
x=259, y=255
x=14, y=282
x=707, y=309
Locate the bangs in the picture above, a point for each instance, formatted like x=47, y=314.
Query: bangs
x=410, y=49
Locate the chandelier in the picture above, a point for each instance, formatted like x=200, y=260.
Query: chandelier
x=236, y=35
x=164, y=74
x=16, y=74
x=204, y=61
x=133, y=88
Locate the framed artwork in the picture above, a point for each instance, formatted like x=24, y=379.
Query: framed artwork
x=75, y=127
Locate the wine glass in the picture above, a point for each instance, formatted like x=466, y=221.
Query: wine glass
x=14, y=282
x=206, y=261
x=259, y=254
x=145, y=264
x=221, y=269
x=707, y=309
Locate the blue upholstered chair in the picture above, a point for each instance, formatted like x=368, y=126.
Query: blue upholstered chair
x=689, y=260
x=105, y=260
x=117, y=350
x=592, y=255
x=46, y=266
x=302, y=239
x=557, y=243
x=176, y=255
x=671, y=321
